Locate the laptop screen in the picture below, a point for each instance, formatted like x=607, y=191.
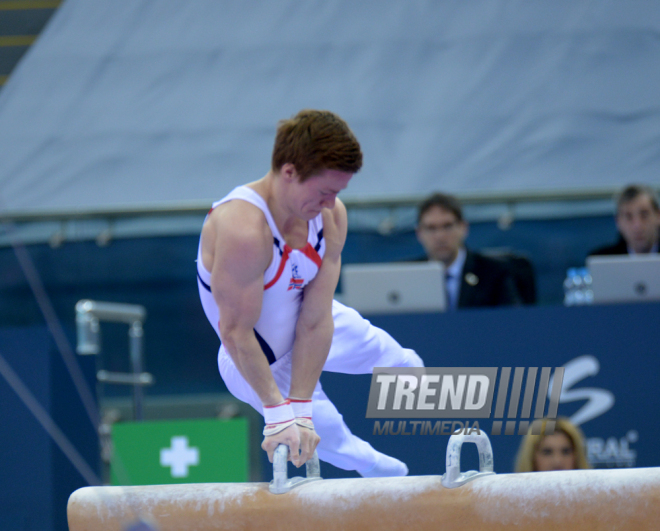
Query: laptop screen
x=625, y=278
x=401, y=287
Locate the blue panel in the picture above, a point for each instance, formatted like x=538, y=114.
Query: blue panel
x=36, y=478
x=25, y=452
x=622, y=338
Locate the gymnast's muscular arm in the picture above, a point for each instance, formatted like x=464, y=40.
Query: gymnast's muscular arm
x=238, y=245
x=315, y=326
x=236, y=242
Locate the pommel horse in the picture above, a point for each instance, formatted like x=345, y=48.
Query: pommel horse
x=576, y=500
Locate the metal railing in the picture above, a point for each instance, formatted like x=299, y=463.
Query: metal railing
x=89, y=315
x=201, y=207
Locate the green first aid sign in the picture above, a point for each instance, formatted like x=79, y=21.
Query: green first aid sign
x=182, y=451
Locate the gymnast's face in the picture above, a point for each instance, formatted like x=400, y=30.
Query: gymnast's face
x=307, y=199
x=554, y=452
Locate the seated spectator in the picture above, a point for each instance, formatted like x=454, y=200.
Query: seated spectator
x=563, y=449
x=472, y=279
x=638, y=222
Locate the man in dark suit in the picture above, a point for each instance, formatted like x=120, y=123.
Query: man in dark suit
x=638, y=221
x=471, y=278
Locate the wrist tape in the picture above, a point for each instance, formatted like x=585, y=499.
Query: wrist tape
x=278, y=417
x=302, y=409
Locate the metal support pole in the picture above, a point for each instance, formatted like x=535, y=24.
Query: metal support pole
x=135, y=348
x=88, y=315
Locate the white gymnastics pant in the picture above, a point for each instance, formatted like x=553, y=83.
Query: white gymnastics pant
x=357, y=347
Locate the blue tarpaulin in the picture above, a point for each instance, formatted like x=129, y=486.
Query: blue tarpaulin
x=161, y=103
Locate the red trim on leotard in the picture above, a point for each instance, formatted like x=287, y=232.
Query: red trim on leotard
x=308, y=251
x=311, y=253
x=285, y=257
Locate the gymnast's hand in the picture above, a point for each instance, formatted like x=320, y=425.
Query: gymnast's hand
x=289, y=436
x=302, y=442
x=309, y=440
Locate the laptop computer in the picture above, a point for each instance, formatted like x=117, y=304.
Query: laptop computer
x=626, y=278
x=401, y=287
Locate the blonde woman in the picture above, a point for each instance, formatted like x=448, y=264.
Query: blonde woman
x=561, y=450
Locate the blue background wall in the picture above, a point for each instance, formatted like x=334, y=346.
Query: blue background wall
x=159, y=273
x=621, y=337
x=180, y=347
x=36, y=478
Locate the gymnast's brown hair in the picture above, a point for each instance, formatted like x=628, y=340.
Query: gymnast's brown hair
x=314, y=141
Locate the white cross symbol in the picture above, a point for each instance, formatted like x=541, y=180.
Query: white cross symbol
x=179, y=457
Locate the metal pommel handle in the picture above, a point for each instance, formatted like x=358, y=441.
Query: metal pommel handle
x=453, y=477
x=281, y=483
